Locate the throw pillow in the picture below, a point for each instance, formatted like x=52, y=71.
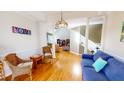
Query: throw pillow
x=99, y=64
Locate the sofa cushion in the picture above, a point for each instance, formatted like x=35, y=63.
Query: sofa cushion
x=87, y=62
x=114, y=70
x=91, y=75
x=87, y=56
x=102, y=55
x=99, y=64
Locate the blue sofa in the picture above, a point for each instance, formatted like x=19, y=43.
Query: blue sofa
x=113, y=71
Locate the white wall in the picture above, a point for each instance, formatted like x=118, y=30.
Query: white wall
x=23, y=45
x=74, y=41
x=113, y=29
x=43, y=37
x=44, y=27
x=62, y=34
x=19, y=43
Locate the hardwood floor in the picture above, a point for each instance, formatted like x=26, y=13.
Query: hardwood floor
x=67, y=67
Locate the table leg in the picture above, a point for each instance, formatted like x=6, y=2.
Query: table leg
x=34, y=64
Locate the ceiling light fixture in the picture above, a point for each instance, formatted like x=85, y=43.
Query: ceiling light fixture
x=61, y=23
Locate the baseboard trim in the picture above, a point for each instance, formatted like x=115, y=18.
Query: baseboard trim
x=29, y=53
x=115, y=55
x=75, y=53
x=25, y=53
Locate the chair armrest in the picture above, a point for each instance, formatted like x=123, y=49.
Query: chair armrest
x=87, y=56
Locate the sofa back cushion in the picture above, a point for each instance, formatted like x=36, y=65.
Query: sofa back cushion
x=101, y=54
x=114, y=70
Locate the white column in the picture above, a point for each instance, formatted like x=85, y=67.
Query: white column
x=53, y=47
x=103, y=33
x=86, y=36
x=53, y=51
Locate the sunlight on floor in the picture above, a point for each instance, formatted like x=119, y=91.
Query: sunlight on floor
x=76, y=69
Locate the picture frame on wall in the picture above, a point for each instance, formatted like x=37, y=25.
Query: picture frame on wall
x=21, y=30
x=122, y=33
x=50, y=38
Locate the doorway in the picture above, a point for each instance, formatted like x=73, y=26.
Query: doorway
x=89, y=41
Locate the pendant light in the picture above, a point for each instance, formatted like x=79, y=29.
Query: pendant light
x=61, y=23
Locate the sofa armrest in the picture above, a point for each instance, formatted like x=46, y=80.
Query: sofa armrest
x=87, y=56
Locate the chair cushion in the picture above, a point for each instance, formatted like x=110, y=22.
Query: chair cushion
x=102, y=55
x=99, y=64
x=114, y=70
x=87, y=62
x=91, y=75
x=19, y=60
x=25, y=64
x=47, y=54
x=13, y=59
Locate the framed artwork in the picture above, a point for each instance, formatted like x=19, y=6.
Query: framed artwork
x=21, y=30
x=50, y=38
x=122, y=33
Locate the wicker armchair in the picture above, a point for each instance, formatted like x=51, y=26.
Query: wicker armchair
x=47, y=52
x=24, y=67
x=2, y=73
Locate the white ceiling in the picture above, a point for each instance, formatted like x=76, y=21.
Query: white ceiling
x=74, y=18
x=67, y=15
x=33, y=15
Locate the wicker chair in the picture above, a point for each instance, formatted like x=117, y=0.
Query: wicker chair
x=2, y=73
x=25, y=67
x=47, y=52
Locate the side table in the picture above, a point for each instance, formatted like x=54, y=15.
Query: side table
x=36, y=59
x=49, y=60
